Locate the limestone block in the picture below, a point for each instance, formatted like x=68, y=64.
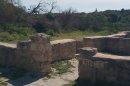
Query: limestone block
x=7, y=54
x=39, y=48
x=35, y=54
x=63, y=49
x=105, y=68
x=79, y=44
x=98, y=42
x=127, y=33
x=118, y=45
x=86, y=70
x=87, y=52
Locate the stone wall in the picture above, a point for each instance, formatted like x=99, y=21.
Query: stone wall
x=96, y=41
x=37, y=54
x=63, y=49
x=101, y=69
x=7, y=54
x=34, y=55
x=79, y=44
x=116, y=43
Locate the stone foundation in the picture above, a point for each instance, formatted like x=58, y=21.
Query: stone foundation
x=116, y=43
x=103, y=69
x=63, y=49
x=34, y=55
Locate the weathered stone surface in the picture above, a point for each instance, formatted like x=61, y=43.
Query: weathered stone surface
x=85, y=68
x=127, y=33
x=63, y=49
x=118, y=45
x=103, y=68
x=88, y=52
x=79, y=44
x=7, y=54
x=98, y=42
x=36, y=54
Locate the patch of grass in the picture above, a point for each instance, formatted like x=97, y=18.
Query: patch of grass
x=79, y=34
x=12, y=32
x=62, y=66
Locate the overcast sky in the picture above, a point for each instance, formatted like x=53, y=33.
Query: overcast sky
x=86, y=5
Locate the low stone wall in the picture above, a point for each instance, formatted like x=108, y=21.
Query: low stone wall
x=63, y=49
x=102, y=69
x=79, y=44
x=34, y=55
x=118, y=45
x=97, y=41
x=7, y=54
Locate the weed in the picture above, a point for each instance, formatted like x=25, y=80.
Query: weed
x=62, y=66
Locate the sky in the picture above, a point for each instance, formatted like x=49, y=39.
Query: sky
x=86, y=5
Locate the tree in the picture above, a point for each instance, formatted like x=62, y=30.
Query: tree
x=43, y=7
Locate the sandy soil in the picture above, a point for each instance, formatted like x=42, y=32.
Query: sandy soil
x=54, y=80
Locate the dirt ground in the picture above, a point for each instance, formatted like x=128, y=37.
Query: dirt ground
x=53, y=80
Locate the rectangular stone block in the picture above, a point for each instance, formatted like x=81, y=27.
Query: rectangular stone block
x=7, y=54
x=118, y=45
x=63, y=49
x=79, y=44
x=105, y=68
x=98, y=42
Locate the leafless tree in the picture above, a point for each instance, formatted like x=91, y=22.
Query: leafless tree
x=43, y=7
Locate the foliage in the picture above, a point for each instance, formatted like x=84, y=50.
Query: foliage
x=12, y=32
x=62, y=66
x=79, y=34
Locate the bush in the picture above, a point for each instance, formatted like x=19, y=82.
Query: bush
x=13, y=33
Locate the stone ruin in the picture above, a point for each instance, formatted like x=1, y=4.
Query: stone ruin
x=116, y=43
x=37, y=54
x=102, y=69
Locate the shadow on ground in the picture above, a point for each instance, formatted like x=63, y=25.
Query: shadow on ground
x=18, y=77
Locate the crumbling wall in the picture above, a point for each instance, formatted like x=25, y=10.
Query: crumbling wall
x=63, y=49
x=101, y=69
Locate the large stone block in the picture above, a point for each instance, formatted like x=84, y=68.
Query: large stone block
x=85, y=65
x=36, y=54
x=7, y=54
x=79, y=44
x=63, y=49
x=104, y=69
x=118, y=45
x=127, y=33
x=98, y=42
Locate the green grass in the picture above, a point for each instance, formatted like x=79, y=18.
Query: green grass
x=13, y=32
x=79, y=34
x=62, y=66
